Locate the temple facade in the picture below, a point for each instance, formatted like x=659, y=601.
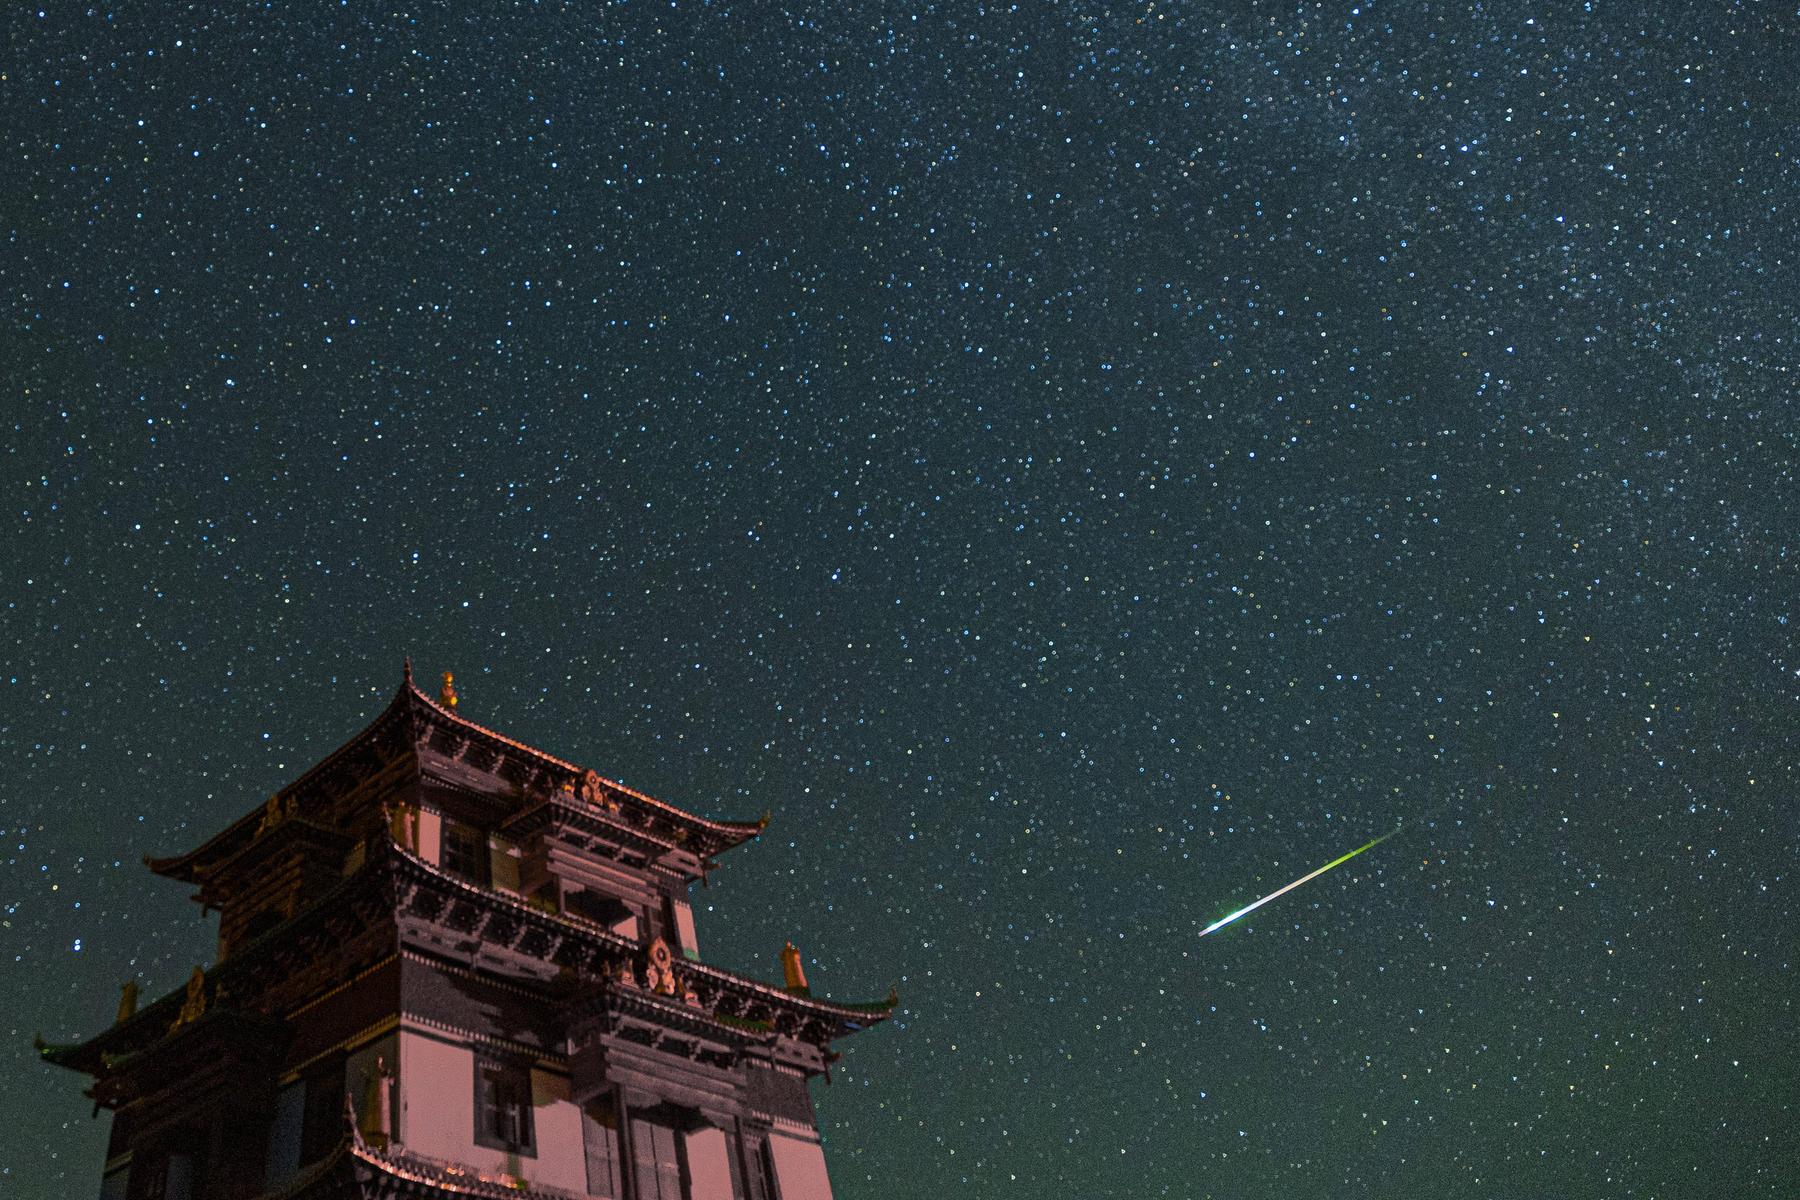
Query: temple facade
x=450, y=964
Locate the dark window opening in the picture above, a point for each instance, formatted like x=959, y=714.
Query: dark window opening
x=465, y=852
x=503, y=1107
x=149, y=1175
x=169, y=1173
x=593, y=906
x=181, y=1177
x=322, y=1117
x=286, y=1131
x=761, y=1184
x=544, y=897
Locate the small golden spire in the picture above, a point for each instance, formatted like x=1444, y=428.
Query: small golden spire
x=375, y=1121
x=448, y=695
x=127, y=1002
x=193, y=1004
x=274, y=813
x=791, y=970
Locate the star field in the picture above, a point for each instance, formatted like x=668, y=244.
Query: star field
x=1079, y=468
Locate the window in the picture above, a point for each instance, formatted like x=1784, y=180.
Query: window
x=181, y=1177
x=503, y=1106
x=164, y=1175
x=609, y=911
x=465, y=852
x=322, y=1115
x=679, y=1155
x=600, y=1140
x=761, y=1182
x=656, y=1152
x=149, y=1175
x=282, y=1162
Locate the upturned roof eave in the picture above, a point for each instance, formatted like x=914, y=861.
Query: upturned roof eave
x=145, y=1027
x=866, y=1013
x=187, y=866
x=226, y=842
x=662, y=853
x=732, y=833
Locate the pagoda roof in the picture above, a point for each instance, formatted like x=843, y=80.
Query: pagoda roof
x=229, y=981
x=840, y=1017
x=408, y=722
x=227, y=984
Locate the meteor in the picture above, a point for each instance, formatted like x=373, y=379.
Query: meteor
x=1224, y=921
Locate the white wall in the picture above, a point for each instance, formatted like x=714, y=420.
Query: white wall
x=431, y=832
x=561, y=1160
x=799, y=1167
x=437, y=1098
x=437, y=1115
x=709, y=1166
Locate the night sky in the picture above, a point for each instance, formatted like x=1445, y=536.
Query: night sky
x=1080, y=468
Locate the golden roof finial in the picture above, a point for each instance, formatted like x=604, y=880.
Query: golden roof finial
x=375, y=1119
x=274, y=813
x=406, y=671
x=448, y=695
x=127, y=1002
x=792, y=972
x=193, y=1004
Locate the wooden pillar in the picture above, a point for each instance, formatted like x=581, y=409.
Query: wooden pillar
x=741, y=1155
x=627, y=1160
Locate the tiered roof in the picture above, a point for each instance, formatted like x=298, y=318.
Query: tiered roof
x=742, y=1010
x=547, y=783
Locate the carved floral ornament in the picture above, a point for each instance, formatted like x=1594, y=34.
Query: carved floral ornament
x=659, y=974
x=593, y=791
x=659, y=968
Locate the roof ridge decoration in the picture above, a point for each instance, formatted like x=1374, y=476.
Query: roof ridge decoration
x=410, y=702
x=175, y=866
x=152, y=1023
x=719, y=975
x=585, y=779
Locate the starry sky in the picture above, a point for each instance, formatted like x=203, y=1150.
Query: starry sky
x=1080, y=467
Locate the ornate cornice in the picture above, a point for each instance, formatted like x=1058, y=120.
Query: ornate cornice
x=509, y=923
x=409, y=721
x=355, y=924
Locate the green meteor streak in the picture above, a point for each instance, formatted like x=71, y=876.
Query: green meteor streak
x=1224, y=921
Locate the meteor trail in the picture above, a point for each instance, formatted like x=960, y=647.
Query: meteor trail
x=1224, y=921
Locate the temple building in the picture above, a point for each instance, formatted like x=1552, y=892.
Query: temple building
x=450, y=964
